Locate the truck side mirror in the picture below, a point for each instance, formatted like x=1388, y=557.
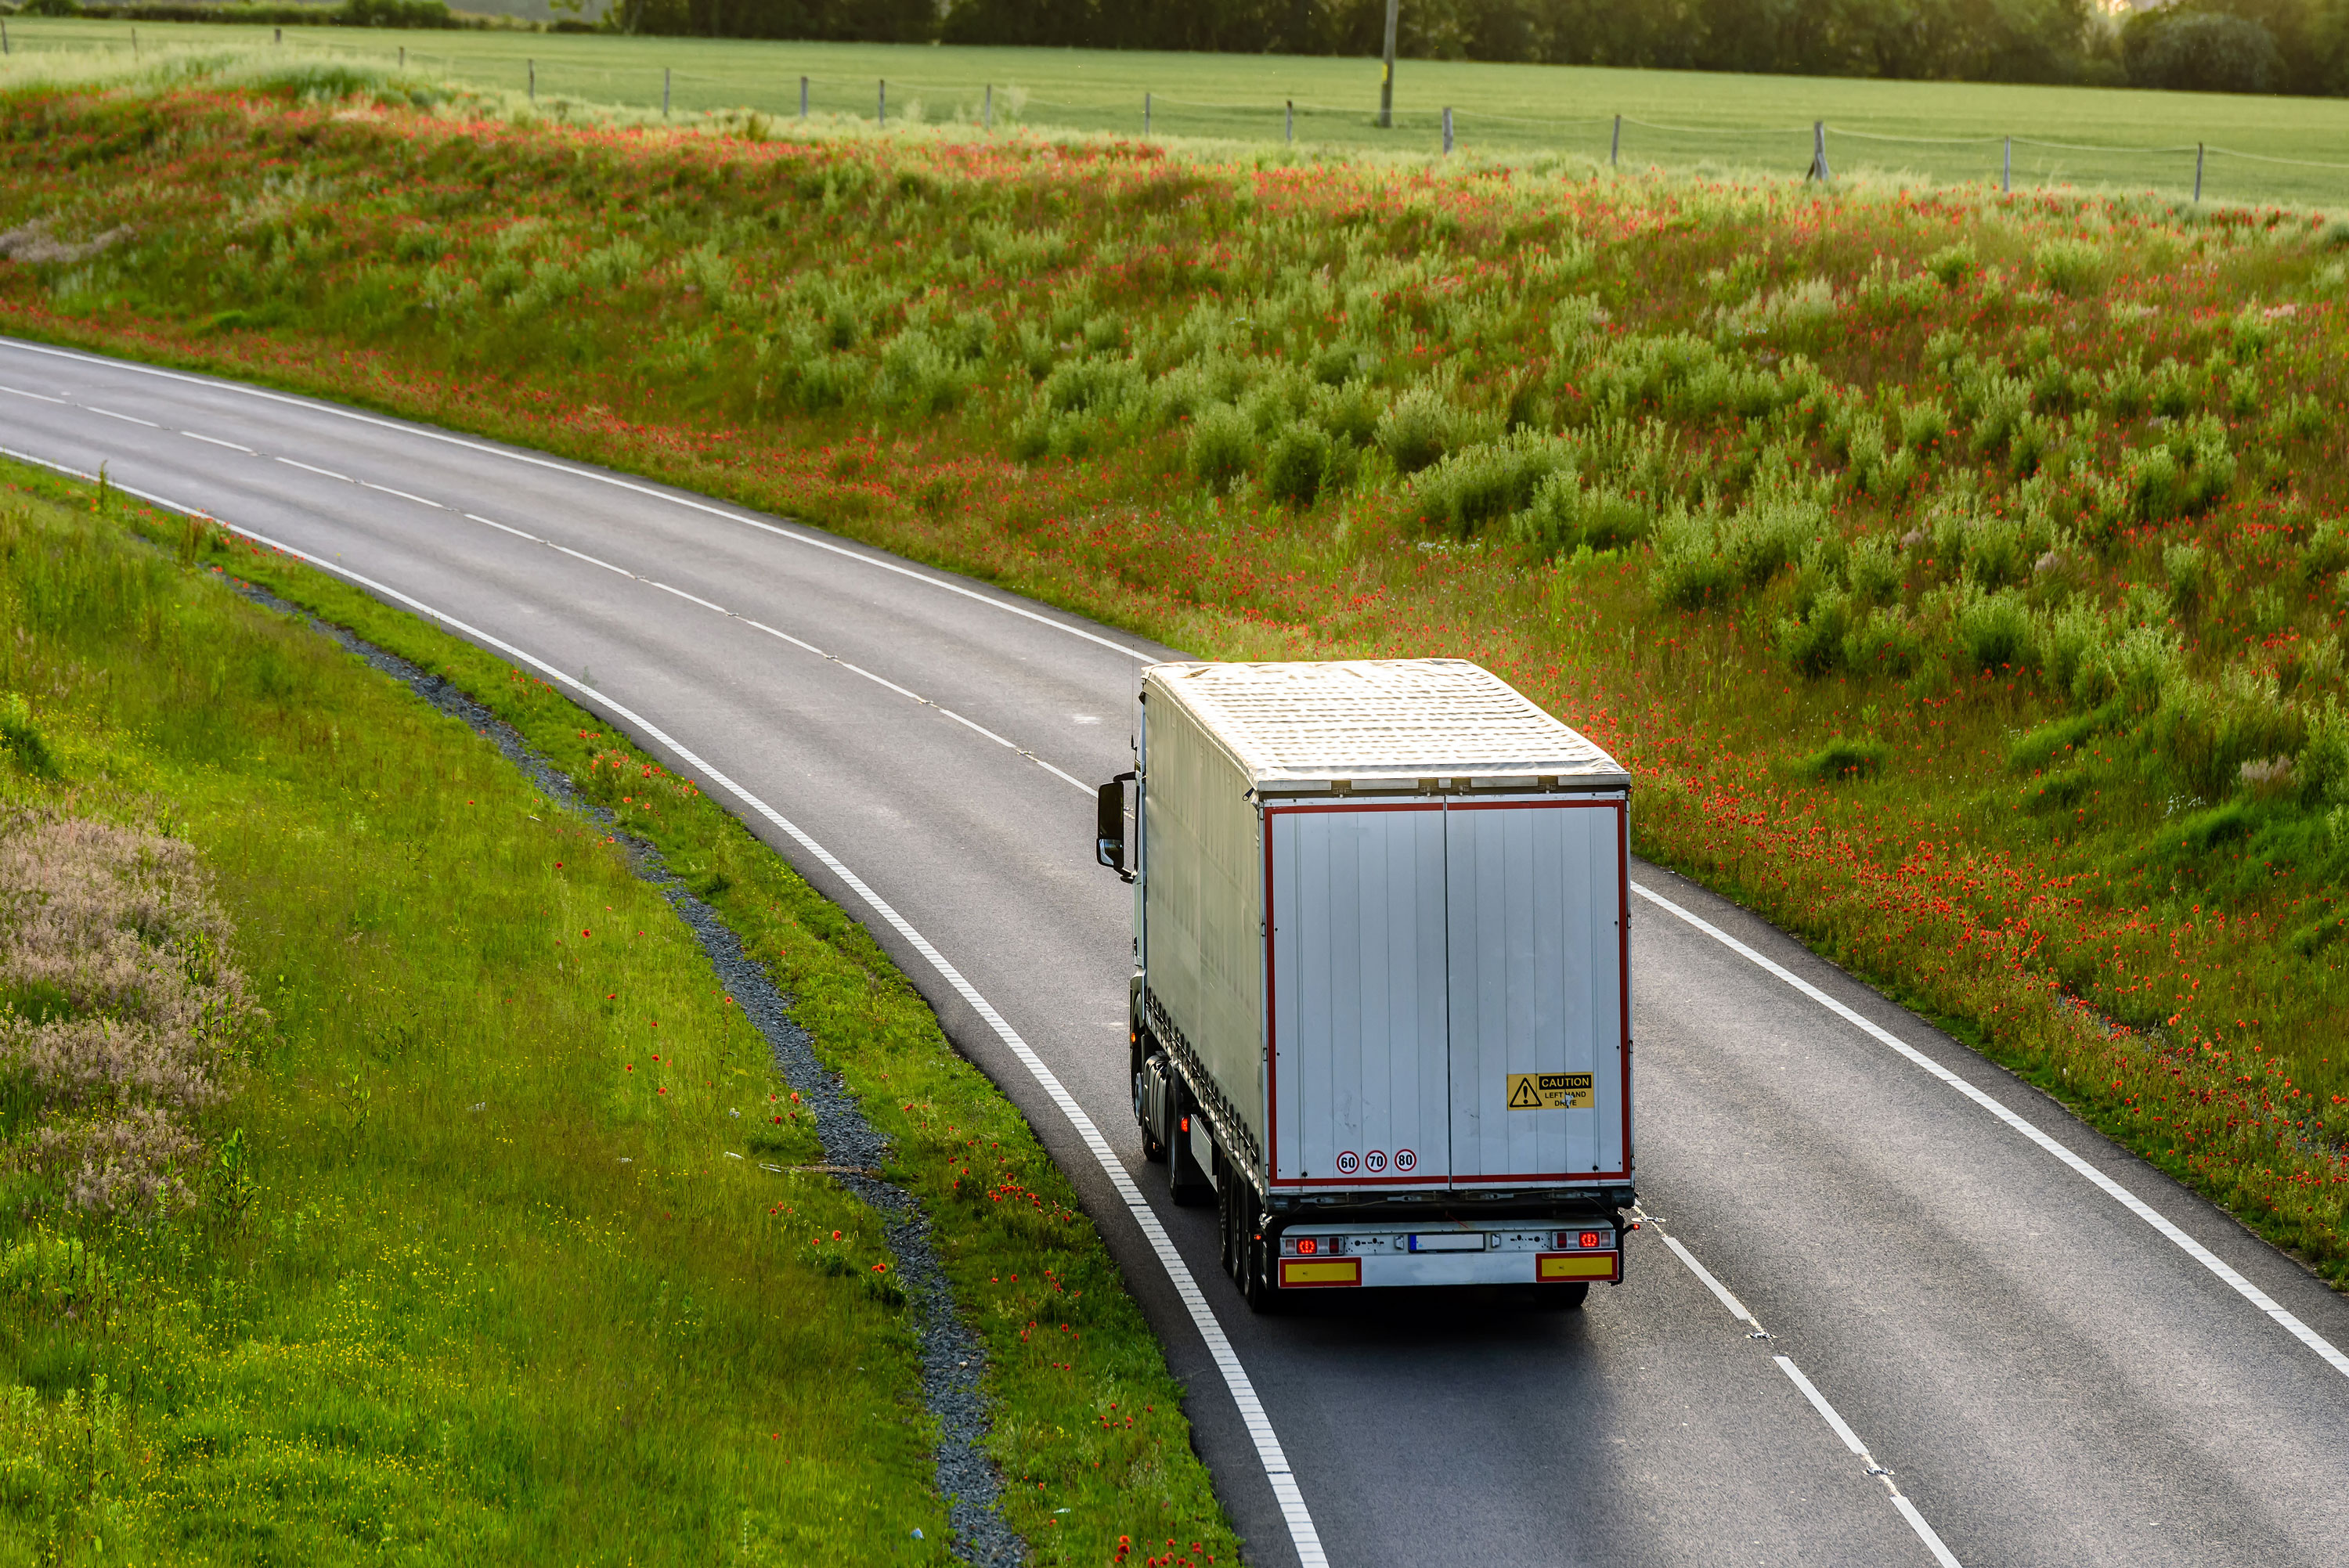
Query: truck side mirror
x=1109, y=842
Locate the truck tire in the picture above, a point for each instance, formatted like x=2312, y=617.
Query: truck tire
x=1561, y=1297
x=1154, y=1147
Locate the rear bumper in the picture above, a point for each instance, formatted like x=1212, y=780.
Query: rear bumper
x=1374, y=1270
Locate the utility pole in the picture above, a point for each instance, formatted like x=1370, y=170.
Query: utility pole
x=1386, y=82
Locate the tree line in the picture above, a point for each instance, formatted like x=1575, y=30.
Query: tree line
x=2222, y=45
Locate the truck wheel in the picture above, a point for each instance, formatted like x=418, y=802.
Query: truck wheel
x=1561, y=1297
x=1256, y=1263
x=1152, y=1149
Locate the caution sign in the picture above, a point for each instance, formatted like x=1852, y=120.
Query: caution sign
x=1549, y=1091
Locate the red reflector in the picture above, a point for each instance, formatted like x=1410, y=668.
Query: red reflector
x=1589, y=1238
x=1308, y=1245
x=1187, y=1124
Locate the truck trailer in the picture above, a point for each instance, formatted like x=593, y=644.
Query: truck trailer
x=1380, y=1012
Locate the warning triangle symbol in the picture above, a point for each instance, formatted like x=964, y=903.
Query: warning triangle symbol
x=1521, y=1094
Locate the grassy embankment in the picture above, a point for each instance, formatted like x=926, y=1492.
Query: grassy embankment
x=1947, y=132
x=1963, y=577
x=458, y=1265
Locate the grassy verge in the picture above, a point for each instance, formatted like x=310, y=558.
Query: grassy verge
x=478, y=1275
x=1962, y=576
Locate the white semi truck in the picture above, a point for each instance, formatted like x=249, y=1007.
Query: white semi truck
x=1381, y=1014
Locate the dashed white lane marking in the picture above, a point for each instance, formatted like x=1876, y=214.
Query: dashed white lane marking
x=1275, y=1461
x=126, y=419
x=216, y=441
x=386, y=489
x=556, y=465
x=1907, y=1511
x=2259, y=1298
x=36, y=396
x=799, y=643
x=323, y=473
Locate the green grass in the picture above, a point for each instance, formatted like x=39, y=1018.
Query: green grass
x=496, y=1289
x=1716, y=122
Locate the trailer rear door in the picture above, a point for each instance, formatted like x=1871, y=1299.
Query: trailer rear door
x=1358, y=995
x=1535, y=904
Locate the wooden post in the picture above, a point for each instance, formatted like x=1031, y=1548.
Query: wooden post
x=1615, y=148
x=1820, y=170
x=881, y=104
x=532, y=66
x=277, y=34
x=1290, y=132
x=1447, y=128
x=403, y=56
x=2198, y=173
x=803, y=98
x=986, y=108
x=3, y=38
x=134, y=43
x=1145, y=114
x=2006, y=170
x=1386, y=81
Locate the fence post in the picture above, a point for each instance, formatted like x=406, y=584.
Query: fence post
x=1819, y=170
x=1615, y=148
x=277, y=34
x=663, y=92
x=2006, y=172
x=803, y=98
x=2198, y=173
x=532, y=66
x=134, y=43
x=1290, y=131
x=881, y=104
x=1145, y=114
x=3, y=38
x=1447, y=128
x=403, y=56
x=986, y=108
x=1386, y=81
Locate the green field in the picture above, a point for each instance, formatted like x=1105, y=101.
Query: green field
x=1946, y=132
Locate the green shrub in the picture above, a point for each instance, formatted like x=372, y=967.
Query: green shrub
x=1691, y=569
x=1952, y=264
x=1884, y=643
x=1871, y=569
x=1813, y=643
x=1092, y=386
x=2187, y=568
x=1297, y=464
x=1484, y=483
x=2075, y=267
x=2047, y=745
x=21, y=738
x=1566, y=516
x=1839, y=759
x=1221, y=448
x=1417, y=429
x=1994, y=629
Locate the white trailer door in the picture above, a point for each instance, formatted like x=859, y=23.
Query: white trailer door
x=1535, y=898
x=1358, y=1009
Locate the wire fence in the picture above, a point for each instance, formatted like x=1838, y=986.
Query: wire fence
x=2197, y=171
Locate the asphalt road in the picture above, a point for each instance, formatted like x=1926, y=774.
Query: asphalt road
x=1912, y=1253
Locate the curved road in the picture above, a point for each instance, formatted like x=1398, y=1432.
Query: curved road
x=1911, y=1263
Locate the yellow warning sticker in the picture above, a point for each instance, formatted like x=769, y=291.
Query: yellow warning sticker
x=1549, y=1091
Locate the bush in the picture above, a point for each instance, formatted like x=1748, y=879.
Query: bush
x=23, y=740
x=2075, y=267
x=1221, y=447
x=1417, y=429
x=1691, y=569
x=1813, y=644
x=1485, y=483
x=1840, y=758
x=1298, y=463
x=1566, y=517
x=1994, y=629
x=1885, y=643
x=2203, y=52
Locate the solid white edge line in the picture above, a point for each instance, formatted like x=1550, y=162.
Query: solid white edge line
x=2201, y=1254
x=315, y=406
x=1308, y=1540
x=1925, y=1532
x=210, y=441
